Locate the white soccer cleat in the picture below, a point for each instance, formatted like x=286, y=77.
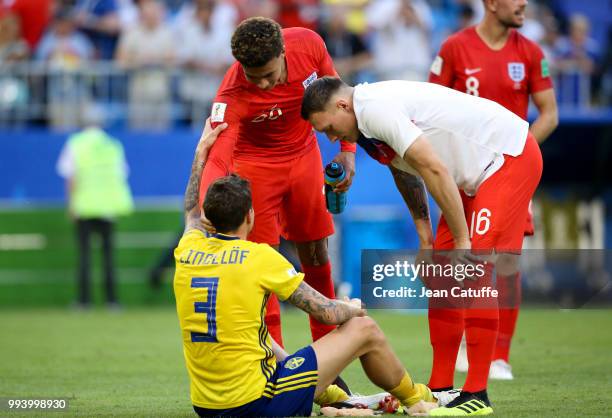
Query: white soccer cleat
x=461, y=364
x=500, y=370
x=445, y=397
x=369, y=401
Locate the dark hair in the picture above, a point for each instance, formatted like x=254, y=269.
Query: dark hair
x=256, y=41
x=317, y=95
x=227, y=202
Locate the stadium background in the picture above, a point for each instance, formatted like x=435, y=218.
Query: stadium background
x=42, y=95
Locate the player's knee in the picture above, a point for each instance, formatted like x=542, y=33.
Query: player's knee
x=368, y=330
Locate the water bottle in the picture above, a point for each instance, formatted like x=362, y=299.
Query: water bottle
x=334, y=174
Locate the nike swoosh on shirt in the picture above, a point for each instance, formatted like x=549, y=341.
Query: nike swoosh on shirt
x=470, y=71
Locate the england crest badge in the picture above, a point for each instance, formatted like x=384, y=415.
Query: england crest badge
x=516, y=71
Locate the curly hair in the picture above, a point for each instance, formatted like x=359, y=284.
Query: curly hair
x=256, y=41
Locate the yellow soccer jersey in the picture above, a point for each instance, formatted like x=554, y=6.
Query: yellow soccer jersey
x=221, y=286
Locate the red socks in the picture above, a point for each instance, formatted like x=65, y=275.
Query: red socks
x=481, y=323
x=319, y=278
x=509, y=288
x=480, y=335
x=446, y=329
x=480, y=319
x=445, y=332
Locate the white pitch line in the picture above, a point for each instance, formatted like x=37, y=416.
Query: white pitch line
x=21, y=242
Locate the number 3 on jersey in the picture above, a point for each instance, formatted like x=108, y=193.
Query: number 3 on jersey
x=209, y=308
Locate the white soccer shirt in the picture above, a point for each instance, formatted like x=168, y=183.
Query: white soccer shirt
x=469, y=134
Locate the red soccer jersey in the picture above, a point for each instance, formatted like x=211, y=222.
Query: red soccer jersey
x=267, y=125
x=508, y=76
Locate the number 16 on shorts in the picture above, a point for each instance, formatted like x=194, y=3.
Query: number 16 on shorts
x=480, y=222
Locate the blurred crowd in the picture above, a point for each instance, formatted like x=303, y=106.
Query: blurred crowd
x=368, y=39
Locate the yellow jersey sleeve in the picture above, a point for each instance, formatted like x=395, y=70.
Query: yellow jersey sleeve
x=191, y=235
x=277, y=274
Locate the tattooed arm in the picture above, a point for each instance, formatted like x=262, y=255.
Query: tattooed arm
x=327, y=311
x=192, y=194
x=413, y=191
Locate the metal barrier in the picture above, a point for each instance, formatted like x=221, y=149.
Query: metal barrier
x=152, y=98
x=573, y=89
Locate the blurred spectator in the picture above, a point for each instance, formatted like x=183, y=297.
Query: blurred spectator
x=225, y=13
x=265, y=8
x=148, y=49
x=400, y=41
x=13, y=86
x=34, y=16
x=173, y=6
x=577, y=59
x=65, y=50
x=205, y=53
x=477, y=7
x=12, y=47
x=356, y=21
x=466, y=17
x=533, y=28
x=95, y=170
x=578, y=51
x=128, y=13
x=99, y=19
x=304, y=13
x=63, y=47
x=550, y=39
x=347, y=49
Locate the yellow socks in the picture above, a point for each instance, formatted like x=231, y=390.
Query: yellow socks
x=410, y=393
x=331, y=395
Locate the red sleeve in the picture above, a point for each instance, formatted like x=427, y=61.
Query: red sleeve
x=225, y=109
x=539, y=72
x=441, y=71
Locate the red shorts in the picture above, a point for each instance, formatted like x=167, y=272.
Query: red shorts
x=288, y=199
x=496, y=214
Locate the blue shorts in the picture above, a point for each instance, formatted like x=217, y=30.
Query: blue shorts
x=288, y=393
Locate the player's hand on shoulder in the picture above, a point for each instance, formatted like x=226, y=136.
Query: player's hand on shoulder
x=347, y=159
x=207, y=225
x=208, y=138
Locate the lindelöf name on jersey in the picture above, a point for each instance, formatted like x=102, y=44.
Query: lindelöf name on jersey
x=198, y=258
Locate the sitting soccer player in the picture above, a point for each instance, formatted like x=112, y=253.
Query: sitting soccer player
x=222, y=284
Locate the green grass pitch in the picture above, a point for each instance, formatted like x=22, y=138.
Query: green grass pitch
x=129, y=363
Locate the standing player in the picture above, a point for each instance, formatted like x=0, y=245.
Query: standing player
x=493, y=60
x=478, y=160
x=275, y=149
